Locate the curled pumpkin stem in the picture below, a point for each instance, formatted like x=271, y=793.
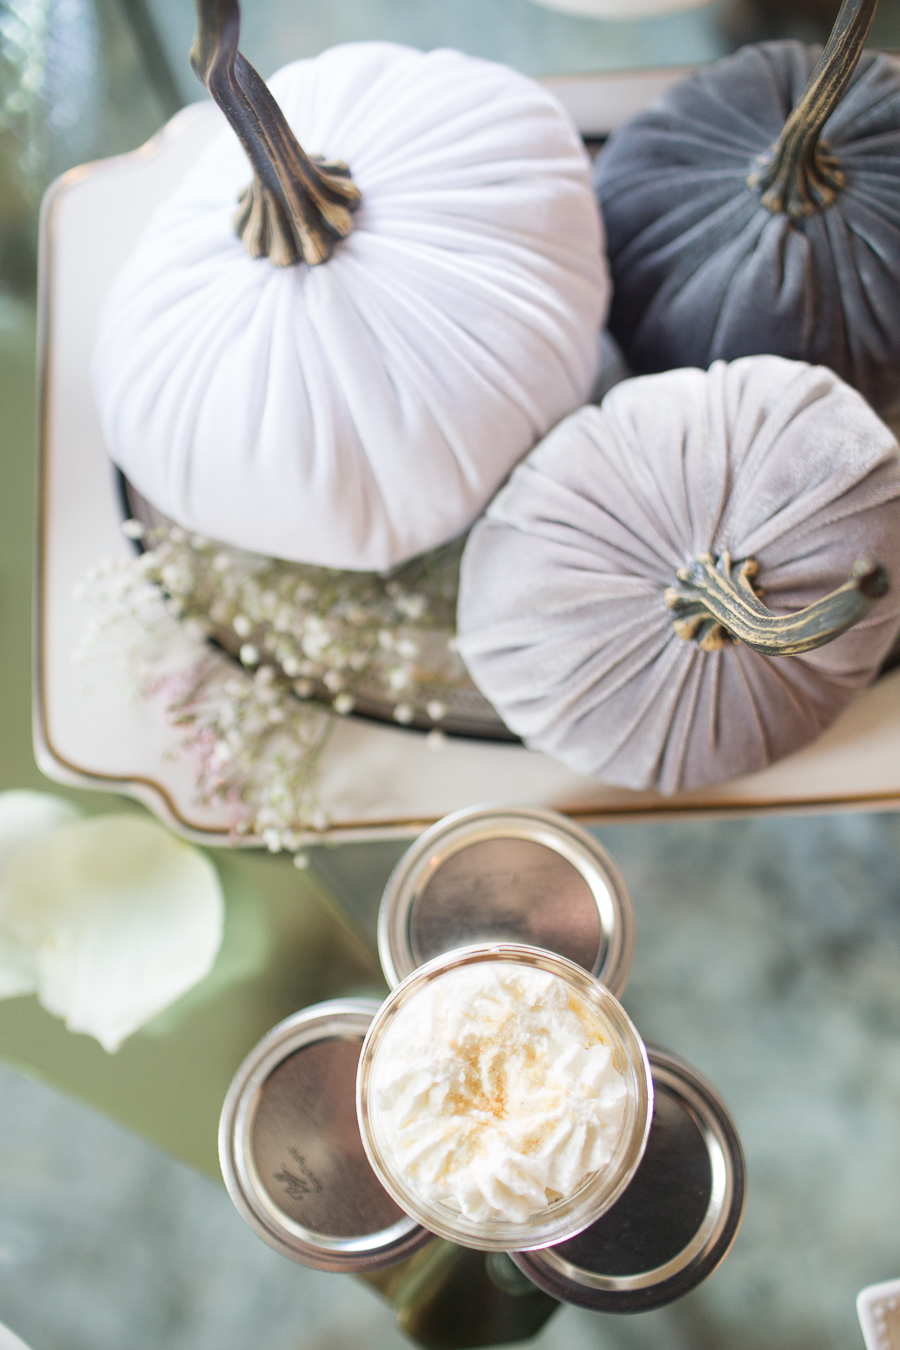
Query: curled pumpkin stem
x=717, y=600
x=297, y=207
x=800, y=175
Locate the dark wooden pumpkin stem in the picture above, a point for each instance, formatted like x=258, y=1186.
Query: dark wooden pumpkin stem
x=800, y=175
x=715, y=601
x=297, y=208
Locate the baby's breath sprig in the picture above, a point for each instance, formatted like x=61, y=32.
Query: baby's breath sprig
x=354, y=640
x=304, y=645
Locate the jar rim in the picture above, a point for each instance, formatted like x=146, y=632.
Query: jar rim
x=562, y=1218
x=321, y=1023
x=579, y=1279
x=453, y=834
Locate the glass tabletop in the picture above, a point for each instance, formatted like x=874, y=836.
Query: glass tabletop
x=538, y=38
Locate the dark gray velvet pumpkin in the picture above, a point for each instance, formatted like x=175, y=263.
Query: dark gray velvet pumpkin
x=733, y=231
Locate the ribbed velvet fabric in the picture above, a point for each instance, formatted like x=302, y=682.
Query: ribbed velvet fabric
x=703, y=271
x=561, y=616
x=363, y=411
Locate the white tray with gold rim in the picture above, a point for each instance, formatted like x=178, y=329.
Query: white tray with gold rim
x=377, y=780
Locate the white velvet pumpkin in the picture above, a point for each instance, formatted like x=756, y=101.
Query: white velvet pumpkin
x=359, y=412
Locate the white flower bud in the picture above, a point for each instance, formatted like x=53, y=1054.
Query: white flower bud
x=314, y=644
x=176, y=578
x=413, y=606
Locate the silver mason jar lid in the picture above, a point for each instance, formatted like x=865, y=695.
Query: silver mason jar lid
x=507, y=874
x=676, y=1221
x=291, y=1152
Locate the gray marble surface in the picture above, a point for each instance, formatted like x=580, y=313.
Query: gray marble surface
x=768, y=954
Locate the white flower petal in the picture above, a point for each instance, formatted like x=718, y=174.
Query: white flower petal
x=123, y=919
x=25, y=816
x=10, y=1342
x=18, y=968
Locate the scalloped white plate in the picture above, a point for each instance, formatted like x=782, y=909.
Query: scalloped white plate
x=377, y=780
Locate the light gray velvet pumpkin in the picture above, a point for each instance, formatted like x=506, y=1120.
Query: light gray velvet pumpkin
x=594, y=590
x=736, y=226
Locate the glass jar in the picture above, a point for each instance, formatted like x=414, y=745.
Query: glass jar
x=597, y=1192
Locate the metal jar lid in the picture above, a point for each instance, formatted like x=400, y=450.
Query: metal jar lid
x=291, y=1152
x=507, y=874
x=676, y=1221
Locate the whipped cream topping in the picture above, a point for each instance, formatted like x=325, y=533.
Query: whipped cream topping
x=496, y=1092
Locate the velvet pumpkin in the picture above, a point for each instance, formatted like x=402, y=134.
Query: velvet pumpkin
x=738, y=226
x=590, y=592
x=348, y=380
